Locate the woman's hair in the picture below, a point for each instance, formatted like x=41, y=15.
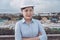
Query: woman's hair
x=25, y=7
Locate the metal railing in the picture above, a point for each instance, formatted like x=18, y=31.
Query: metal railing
x=12, y=37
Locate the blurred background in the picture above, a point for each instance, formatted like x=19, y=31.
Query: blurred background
x=47, y=11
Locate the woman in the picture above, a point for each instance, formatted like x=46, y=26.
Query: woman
x=29, y=28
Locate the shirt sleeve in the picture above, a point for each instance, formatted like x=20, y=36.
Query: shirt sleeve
x=17, y=32
x=43, y=35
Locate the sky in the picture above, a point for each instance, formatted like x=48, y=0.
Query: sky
x=12, y=6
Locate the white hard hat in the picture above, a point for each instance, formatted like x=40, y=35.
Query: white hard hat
x=26, y=3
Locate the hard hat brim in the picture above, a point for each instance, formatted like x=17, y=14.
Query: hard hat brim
x=26, y=6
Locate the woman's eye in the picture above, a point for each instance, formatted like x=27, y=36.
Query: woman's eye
x=26, y=10
x=30, y=10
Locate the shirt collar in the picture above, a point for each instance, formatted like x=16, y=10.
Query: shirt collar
x=23, y=20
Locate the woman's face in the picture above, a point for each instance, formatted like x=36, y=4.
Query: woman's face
x=28, y=12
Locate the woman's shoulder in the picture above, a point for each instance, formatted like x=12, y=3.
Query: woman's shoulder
x=19, y=22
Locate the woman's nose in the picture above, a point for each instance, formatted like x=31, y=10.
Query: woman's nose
x=29, y=12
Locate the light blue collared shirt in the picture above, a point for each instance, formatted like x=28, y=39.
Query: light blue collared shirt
x=22, y=29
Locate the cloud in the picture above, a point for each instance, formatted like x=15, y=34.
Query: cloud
x=5, y=7
x=42, y=5
x=48, y=6
x=4, y=4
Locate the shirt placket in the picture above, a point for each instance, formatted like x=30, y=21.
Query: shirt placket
x=31, y=30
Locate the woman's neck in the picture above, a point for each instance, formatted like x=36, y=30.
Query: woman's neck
x=28, y=21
